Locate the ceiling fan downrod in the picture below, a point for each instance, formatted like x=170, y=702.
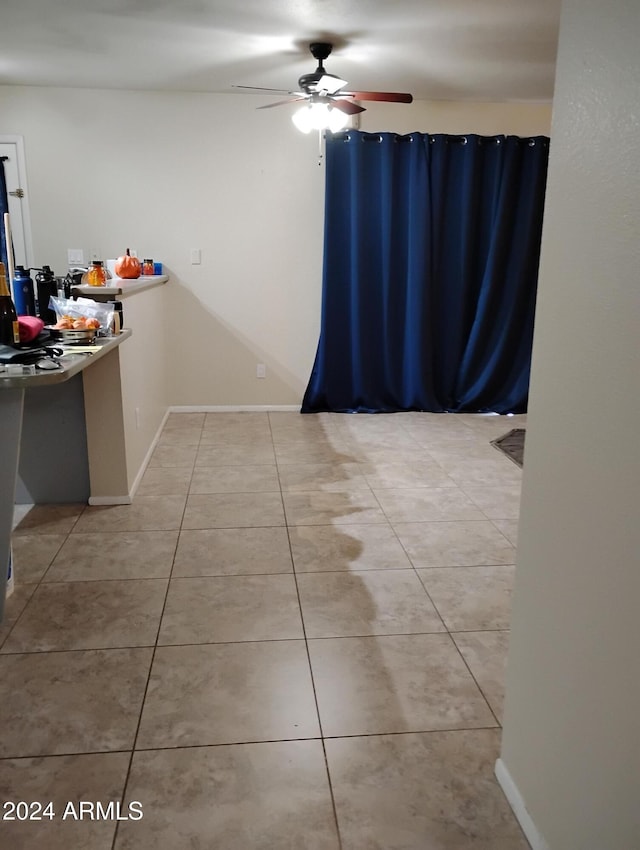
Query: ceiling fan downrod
x=320, y=50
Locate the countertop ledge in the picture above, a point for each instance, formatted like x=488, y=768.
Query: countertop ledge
x=71, y=362
x=120, y=287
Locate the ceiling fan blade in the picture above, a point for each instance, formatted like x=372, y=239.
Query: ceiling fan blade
x=330, y=84
x=260, y=88
x=346, y=106
x=390, y=96
x=281, y=102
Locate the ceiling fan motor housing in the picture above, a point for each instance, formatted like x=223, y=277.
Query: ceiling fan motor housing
x=309, y=82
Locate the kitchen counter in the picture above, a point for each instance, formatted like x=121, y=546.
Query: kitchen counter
x=71, y=363
x=105, y=433
x=118, y=287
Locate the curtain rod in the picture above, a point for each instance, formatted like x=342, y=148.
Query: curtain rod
x=460, y=138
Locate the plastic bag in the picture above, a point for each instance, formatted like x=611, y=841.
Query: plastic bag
x=81, y=313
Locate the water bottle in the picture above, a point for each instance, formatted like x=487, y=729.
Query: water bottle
x=46, y=287
x=23, y=293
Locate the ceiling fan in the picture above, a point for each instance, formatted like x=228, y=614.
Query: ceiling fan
x=328, y=104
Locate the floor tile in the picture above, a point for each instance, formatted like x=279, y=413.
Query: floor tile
x=235, y=479
x=168, y=456
x=383, y=476
x=71, y=702
x=486, y=655
x=89, y=615
x=165, y=481
x=483, y=472
x=323, y=452
x=184, y=420
x=221, y=609
x=454, y=544
x=395, y=456
x=62, y=780
x=49, y=519
x=389, y=448
x=33, y=553
x=365, y=603
x=471, y=598
x=336, y=508
x=232, y=551
x=268, y=795
x=233, y=510
x=147, y=513
x=14, y=606
x=438, y=426
x=304, y=477
x=448, y=453
x=394, y=683
x=228, y=693
x=496, y=502
x=247, y=455
x=186, y=436
x=317, y=548
x=232, y=438
x=114, y=555
x=230, y=713
x=508, y=527
x=430, y=791
x=238, y=420
x=426, y=504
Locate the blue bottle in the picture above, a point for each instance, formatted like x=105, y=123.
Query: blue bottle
x=23, y=293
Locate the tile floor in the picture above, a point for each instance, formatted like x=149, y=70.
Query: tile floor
x=295, y=637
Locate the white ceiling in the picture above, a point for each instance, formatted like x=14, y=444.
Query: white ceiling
x=501, y=50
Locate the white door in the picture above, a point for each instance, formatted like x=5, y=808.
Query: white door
x=15, y=173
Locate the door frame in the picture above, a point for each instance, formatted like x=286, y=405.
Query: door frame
x=18, y=142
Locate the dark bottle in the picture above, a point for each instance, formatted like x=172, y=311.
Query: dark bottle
x=9, y=330
x=23, y=293
x=46, y=287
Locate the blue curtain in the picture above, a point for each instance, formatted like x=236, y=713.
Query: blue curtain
x=430, y=270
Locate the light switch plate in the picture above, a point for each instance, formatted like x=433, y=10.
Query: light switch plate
x=75, y=256
x=196, y=256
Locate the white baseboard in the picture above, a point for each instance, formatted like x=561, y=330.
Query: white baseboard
x=234, y=408
x=128, y=499
x=147, y=457
x=514, y=798
x=110, y=500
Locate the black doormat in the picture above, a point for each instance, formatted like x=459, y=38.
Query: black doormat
x=512, y=444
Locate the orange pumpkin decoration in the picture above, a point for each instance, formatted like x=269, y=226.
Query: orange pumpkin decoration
x=127, y=266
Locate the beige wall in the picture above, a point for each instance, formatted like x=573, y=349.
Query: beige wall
x=144, y=380
x=165, y=173
x=571, y=744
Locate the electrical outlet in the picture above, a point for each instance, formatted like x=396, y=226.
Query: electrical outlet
x=196, y=256
x=261, y=371
x=133, y=252
x=75, y=256
x=95, y=254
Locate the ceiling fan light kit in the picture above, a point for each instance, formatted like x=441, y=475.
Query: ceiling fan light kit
x=317, y=115
x=328, y=106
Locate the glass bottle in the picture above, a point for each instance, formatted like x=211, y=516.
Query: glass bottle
x=147, y=267
x=97, y=276
x=9, y=328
